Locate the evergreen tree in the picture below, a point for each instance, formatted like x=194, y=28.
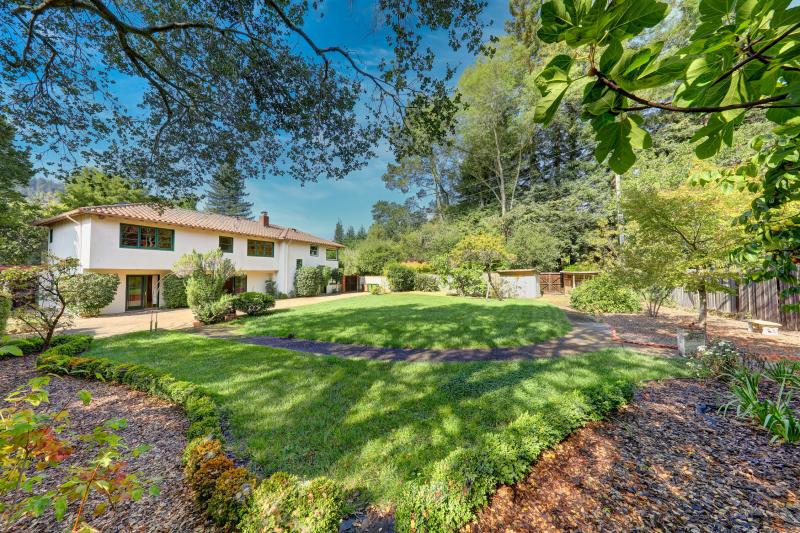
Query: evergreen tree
x=227, y=194
x=92, y=186
x=338, y=233
x=350, y=236
x=362, y=233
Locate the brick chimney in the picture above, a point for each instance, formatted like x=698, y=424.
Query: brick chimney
x=264, y=218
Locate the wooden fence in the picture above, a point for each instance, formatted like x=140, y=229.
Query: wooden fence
x=562, y=282
x=759, y=300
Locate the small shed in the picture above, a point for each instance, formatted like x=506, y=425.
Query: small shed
x=520, y=283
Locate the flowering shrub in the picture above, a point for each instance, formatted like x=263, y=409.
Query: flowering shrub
x=717, y=359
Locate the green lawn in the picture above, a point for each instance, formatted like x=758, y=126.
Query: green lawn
x=416, y=321
x=370, y=424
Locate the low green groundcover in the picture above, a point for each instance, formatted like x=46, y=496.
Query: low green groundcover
x=375, y=426
x=417, y=321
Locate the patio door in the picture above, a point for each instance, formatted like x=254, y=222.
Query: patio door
x=140, y=292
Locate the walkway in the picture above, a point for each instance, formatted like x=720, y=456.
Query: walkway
x=108, y=325
x=587, y=335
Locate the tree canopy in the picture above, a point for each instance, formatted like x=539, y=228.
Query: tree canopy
x=741, y=57
x=218, y=78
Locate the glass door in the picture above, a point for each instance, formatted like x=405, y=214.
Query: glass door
x=134, y=292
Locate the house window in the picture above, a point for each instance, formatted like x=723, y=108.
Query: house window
x=226, y=244
x=133, y=236
x=236, y=284
x=313, y=250
x=260, y=248
x=298, y=264
x=51, y=235
x=331, y=254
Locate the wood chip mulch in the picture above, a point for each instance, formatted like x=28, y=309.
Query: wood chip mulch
x=663, y=329
x=668, y=462
x=150, y=421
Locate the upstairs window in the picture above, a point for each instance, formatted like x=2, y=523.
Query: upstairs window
x=51, y=235
x=313, y=250
x=260, y=248
x=298, y=264
x=226, y=244
x=331, y=254
x=133, y=236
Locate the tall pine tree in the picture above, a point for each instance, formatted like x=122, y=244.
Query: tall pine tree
x=227, y=193
x=338, y=233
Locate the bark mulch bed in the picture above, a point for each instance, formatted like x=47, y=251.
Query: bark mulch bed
x=663, y=330
x=667, y=462
x=150, y=421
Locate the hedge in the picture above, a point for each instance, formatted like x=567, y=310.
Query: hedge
x=462, y=482
x=230, y=495
x=174, y=291
x=400, y=277
x=30, y=345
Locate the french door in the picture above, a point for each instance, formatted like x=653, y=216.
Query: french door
x=141, y=292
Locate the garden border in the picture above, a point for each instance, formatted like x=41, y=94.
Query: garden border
x=229, y=495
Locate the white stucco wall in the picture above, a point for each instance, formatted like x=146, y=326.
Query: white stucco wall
x=70, y=238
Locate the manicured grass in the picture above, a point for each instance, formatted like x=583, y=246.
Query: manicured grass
x=371, y=425
x=417, y=321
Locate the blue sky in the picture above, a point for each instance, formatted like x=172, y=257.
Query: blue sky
x=316, y=207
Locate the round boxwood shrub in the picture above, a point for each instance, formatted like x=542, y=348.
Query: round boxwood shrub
x=174, y=292
x=400, y=277
x=231, y=496
x=604, y=294
x=307, y=281
x=253, y=303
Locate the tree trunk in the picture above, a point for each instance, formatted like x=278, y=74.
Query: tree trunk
x=490, y=285
x=703, y=304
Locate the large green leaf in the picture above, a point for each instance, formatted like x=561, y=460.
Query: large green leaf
x=714, y=10
x=616, y=141
x=628, y=18
x=553, y=83
x=559, y=16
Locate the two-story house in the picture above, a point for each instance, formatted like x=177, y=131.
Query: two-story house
x=141, y=242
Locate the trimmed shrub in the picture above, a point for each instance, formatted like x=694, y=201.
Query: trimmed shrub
x=604, y=294
x=271, y=288
x=174, y=292
x=307, y=281
x=253, y=303
x=213, y=312
x=5, y=311
x=89, y=292
x=204, y=479
x=375, y=289
x=30, y=345
x=400, y=277
x=231, y=496
x=284, y=503
x=462, y=482
x=324, y=278
x=74, y=345
x=426, y=282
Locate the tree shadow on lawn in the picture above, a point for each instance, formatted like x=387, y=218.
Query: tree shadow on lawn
x=456, y=325
x=371, y=425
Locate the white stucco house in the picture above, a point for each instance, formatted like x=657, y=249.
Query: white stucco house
x=141, y=242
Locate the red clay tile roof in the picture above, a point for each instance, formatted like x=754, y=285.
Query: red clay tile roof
x=188, y=218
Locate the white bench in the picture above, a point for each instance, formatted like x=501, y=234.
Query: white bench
x=764, y=327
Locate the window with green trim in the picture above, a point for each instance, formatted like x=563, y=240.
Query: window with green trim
x=260, y=248
x=331, y=254
x=226, y=244
x=313, y=250
x=133, y=236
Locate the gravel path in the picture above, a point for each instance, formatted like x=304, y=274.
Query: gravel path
x=668, y=462
x=150, y=421
x=586, y=335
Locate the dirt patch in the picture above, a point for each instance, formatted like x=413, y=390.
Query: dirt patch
x=150, y=421
x=668, y=462
x=663, y=330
